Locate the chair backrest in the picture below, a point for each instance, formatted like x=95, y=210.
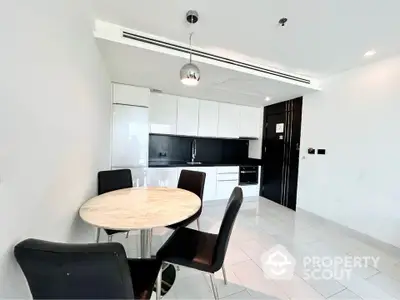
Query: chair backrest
x=75, y=271
x=231, y=212
x=193, y=181
x=108, y=181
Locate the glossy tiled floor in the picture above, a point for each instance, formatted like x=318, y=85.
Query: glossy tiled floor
x=262, y=224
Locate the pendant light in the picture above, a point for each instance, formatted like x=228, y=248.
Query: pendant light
x=190, y=73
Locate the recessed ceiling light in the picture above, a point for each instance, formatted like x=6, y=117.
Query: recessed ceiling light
x=370, y=53
x=267, y=98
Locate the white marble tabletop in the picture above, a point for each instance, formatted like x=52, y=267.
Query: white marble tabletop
x=140, y=208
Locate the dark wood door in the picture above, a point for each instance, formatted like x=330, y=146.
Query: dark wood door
x=273, y=157
x=281, y=144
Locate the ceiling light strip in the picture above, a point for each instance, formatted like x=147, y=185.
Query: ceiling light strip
x=187, y=50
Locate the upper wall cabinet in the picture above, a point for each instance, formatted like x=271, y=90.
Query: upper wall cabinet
x=130, y=95
x=163, y=113
x=249, y=125
x=188, y=116
x=208, y=118
x=228, y=120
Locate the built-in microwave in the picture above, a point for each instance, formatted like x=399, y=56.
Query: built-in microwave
x=248, y=175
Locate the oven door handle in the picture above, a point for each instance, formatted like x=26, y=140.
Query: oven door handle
x=246, y=172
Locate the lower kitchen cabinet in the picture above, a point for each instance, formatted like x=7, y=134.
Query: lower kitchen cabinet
x=220, y=181
x=250, y=190
x=211, y=183
x=225, y=188
x=163, y=177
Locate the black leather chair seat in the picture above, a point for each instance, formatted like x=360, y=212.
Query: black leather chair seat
x=85, y=271
x=190, y=248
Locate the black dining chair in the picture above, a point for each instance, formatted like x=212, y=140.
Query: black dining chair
x=112, y=180
x=85, y=271
x=192, y=181
x=201, y=250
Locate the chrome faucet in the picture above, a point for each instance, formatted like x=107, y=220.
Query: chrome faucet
x=194, y=150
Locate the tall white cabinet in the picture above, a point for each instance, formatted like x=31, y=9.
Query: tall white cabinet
x=130, y=95
x=130, y=137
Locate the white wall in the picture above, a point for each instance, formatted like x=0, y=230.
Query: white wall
x=357, y=119
x=54, y=125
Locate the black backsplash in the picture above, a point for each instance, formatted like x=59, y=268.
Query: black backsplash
x=209, y=150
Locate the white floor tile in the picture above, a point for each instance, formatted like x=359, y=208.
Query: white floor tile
x=387, y=284
x=326, y=288
x=252, y=278
x=235, y=255
x=234, y=286
x=243, y=295
x=345, y=295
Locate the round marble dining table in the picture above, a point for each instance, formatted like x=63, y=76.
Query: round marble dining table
x=141, y=209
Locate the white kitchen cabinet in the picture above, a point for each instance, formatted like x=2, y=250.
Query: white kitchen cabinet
x=228, y=120
x=208, y=118
x=188, y=114
x=228, y=170
x=163, y=113
x=251, y=190
x=210, y=186
x=130, y=95
x=225, y=188
x=227, y=180
x=139, y=177
x=163, y=177
x=249, y=125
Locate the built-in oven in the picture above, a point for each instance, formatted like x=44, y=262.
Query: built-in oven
x=248, y=175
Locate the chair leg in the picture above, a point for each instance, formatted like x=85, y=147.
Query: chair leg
x=224, y=274
x=110, y=238
x=214, y=287
x=158, y=285
x=98, y=235
x=198, y=224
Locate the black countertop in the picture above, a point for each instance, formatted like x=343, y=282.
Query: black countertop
x=162, y=163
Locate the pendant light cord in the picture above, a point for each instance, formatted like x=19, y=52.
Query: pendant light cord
x=190, y=41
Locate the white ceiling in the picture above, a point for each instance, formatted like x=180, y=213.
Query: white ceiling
x=137, y=66
x=322, y=37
